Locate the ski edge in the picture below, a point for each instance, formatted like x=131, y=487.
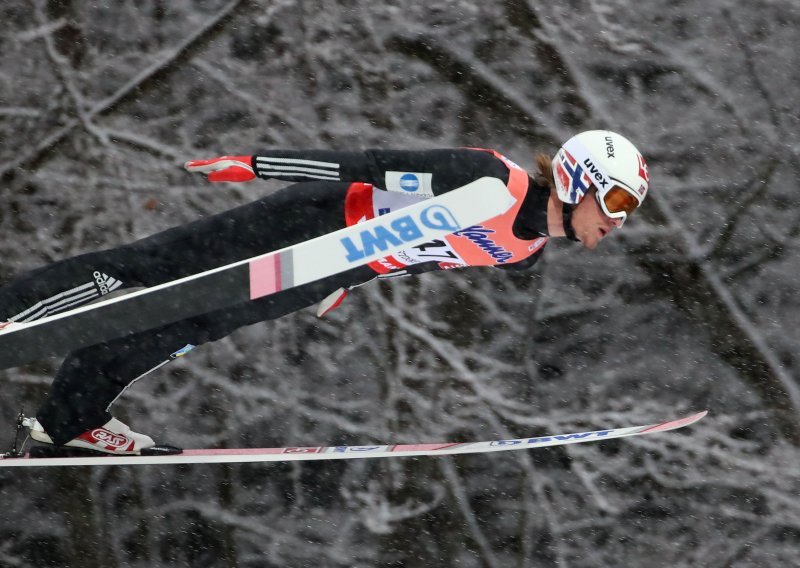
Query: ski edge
x=286, y=454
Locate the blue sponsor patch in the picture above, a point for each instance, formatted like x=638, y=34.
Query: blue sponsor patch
x=409, y=183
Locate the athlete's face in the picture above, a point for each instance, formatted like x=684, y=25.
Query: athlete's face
x=591, y=225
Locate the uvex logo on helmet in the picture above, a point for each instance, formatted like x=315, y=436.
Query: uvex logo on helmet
x=609, y=147
x=596, y=174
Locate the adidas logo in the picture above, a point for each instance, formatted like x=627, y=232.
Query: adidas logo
x=105, y=283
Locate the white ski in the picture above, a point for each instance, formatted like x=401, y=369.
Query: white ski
x=239, y=455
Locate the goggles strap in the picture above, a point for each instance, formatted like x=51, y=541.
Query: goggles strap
x=566, y=215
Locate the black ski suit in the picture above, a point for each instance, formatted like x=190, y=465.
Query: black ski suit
x=91, y=379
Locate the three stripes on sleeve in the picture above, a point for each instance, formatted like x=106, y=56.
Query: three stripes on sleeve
x=293, y=169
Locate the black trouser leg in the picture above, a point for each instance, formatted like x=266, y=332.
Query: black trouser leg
x=92, y=378
x=287, y=217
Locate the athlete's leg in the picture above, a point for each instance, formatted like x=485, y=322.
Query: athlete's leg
x=278, y=220
x=92, y=379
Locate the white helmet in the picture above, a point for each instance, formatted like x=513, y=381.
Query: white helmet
x=608, y=161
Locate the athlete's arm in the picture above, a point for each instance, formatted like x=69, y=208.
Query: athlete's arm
x=438, y=171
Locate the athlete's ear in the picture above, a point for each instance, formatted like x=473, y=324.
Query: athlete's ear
x=225, y=168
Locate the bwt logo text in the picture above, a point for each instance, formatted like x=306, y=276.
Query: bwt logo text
x=405, y=229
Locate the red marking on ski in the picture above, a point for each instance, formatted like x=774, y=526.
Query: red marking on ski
x=265, y=276
x=673, y=424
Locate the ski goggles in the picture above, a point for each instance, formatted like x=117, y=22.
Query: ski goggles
x=617, y=202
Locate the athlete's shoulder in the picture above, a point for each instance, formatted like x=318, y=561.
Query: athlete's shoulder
x=526, y=263
x=508, y=162
x=496, y=159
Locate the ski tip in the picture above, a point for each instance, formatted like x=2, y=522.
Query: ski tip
x=696, y=416
x=675, y=424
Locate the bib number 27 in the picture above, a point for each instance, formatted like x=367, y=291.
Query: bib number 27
x=435, y=249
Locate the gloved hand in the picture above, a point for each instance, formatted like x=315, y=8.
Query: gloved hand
x=332, y=302
x=226, y=168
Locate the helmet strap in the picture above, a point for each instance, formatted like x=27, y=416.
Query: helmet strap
x=566, y=215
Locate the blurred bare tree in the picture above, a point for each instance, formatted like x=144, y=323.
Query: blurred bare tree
x=691, y=307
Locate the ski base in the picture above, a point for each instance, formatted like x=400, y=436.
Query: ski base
x=48, y=452
x=242, y=455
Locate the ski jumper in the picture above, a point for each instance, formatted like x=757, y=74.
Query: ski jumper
x=334, y=189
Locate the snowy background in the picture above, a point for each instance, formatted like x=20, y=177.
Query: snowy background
x=693, y=306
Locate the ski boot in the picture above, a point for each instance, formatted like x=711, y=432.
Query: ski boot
x=113, y=438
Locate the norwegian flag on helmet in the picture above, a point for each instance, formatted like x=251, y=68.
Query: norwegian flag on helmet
x=572, y=176
x=644, y=173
